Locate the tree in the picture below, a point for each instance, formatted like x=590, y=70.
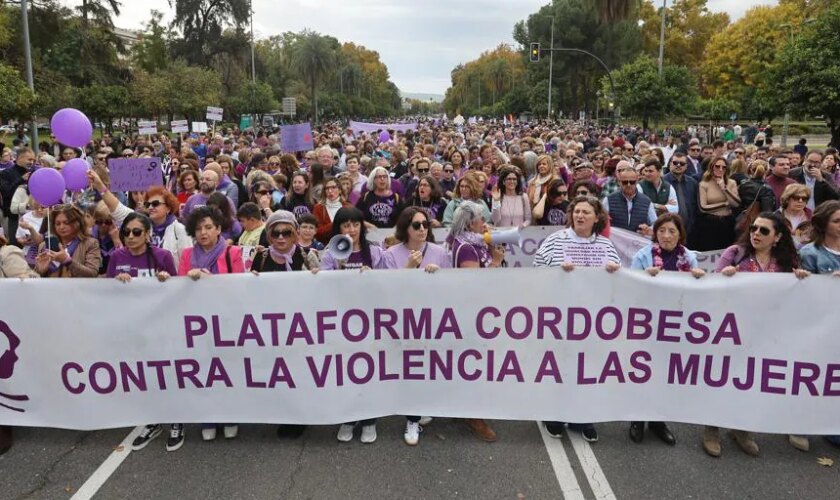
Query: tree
x=643, y=93
x=102, y=103
x=256, y=98
x=16, y=100
x=151, y=52
x=202, y=23
x=99, y=10
x=809, y=71
x=689, y=26
x=313, y=57
x=738, y=59
x=610, y=11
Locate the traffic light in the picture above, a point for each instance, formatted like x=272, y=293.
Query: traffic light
x=535, y=52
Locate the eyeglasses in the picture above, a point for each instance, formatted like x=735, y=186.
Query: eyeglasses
x=423, y=170
x=739, y=153
x=417, y=225
x=628, y=183
x=514, y=179
x=719, y=167
x=136, y=232
x=800, y=198
x=286, y=233
x=265, y=192
x=764, y=230
x=274, y=164
x=694, y=149
x=381, y=176
x=678, y=163
x=448, y=170
x=582, y=193
x=328, y=188
x=104, y=222
x=153, y=204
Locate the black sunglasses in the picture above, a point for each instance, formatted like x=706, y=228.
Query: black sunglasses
x=678, y=163
x=417, y=225
x=153, y=204
x=561, y=193
x=262, y=193
x=628, y=183
x=286, y=233
x=582, y=193
x=423, y=170
x=765, y=231
x=133, y=232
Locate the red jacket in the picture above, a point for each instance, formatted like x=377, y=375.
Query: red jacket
x=325, y=226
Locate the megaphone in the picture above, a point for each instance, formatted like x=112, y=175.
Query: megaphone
x=340, y=247
x=512, y=236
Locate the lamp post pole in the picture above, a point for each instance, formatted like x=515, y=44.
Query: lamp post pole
x=27, y=54
x=551, y=67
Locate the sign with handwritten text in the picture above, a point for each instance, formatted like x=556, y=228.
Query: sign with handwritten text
x=135, y=174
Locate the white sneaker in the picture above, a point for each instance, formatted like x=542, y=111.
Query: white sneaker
x=345, y=433
x=368, y=434
x=425, y=420
x=412, y=433
x=231, y=431
x=208, y=434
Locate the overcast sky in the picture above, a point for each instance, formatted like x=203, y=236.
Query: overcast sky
x=420, y=45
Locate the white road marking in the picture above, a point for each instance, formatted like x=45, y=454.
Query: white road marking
x=591, y=468
x=562, y=468
x=108, y=467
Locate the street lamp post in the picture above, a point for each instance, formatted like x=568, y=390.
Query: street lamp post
x=662, y=39
x=27, y=53
x=551, y=67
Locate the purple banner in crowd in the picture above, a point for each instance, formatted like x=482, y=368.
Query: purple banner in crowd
x=135, y=174
x=294, y=138
x=375, y=127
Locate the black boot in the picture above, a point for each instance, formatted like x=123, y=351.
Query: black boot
x=290, y=431
x=5, y=438
x=637, y=431
x=660, y=430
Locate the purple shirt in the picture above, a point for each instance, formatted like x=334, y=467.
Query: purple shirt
x=396, y=257
x=141, y=266
x=328, y=262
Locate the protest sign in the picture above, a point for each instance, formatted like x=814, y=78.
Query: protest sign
x=147, y=127
x=528, y=344
x=214, y=114
x=199, y=127
x=294, y=138
x=135, y=174
x=375, y=127
x=180, y=126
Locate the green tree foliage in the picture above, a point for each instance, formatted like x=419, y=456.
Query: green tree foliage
x=151, y=53
x=480, y=87
x=202, y=23
x=577, y=24
x=312, y=56
x=689, y=25
x=644, y=94
x=16, y=100
x=808, y=73
x=252, y=98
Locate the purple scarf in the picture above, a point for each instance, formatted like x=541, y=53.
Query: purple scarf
x=286, y=257
x=159, y=230
x=203, y=259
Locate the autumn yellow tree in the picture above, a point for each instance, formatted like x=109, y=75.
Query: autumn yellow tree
x=486, y=81
x=737, y=59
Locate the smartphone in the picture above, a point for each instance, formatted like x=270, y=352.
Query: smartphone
x=52, y=243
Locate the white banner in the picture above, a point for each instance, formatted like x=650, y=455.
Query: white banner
x=744, y=352
x=627, y=243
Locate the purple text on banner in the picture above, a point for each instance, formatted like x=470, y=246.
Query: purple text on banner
x=135, y=174
x=294, y=138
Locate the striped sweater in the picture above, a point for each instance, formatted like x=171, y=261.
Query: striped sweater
x=565, y=246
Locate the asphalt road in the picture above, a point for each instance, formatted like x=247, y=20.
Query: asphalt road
x=448, y=463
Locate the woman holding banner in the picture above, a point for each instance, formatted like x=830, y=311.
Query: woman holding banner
x=282, y=255
x=581, y=244
x=823, y=255
x=416, y=250
x=469, y=251
x=349, y=221
x=766, y=246
x=210, y=255
x=666, y=253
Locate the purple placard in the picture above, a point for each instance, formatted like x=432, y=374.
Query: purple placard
x=135, y=174
x=294, y=138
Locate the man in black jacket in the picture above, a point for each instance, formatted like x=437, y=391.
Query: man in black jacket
x=809, y=174
x=10, y=179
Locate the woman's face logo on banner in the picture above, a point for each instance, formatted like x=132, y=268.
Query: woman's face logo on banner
x=8, y=345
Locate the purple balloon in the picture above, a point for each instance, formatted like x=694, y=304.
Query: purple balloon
x=75, y=174
x=71, y=127
x=46, y=185
x=384, y=136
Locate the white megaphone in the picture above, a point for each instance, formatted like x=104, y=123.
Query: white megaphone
x=512, y=236
x=340, y=247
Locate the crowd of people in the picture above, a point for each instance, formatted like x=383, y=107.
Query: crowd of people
x=771, y=208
